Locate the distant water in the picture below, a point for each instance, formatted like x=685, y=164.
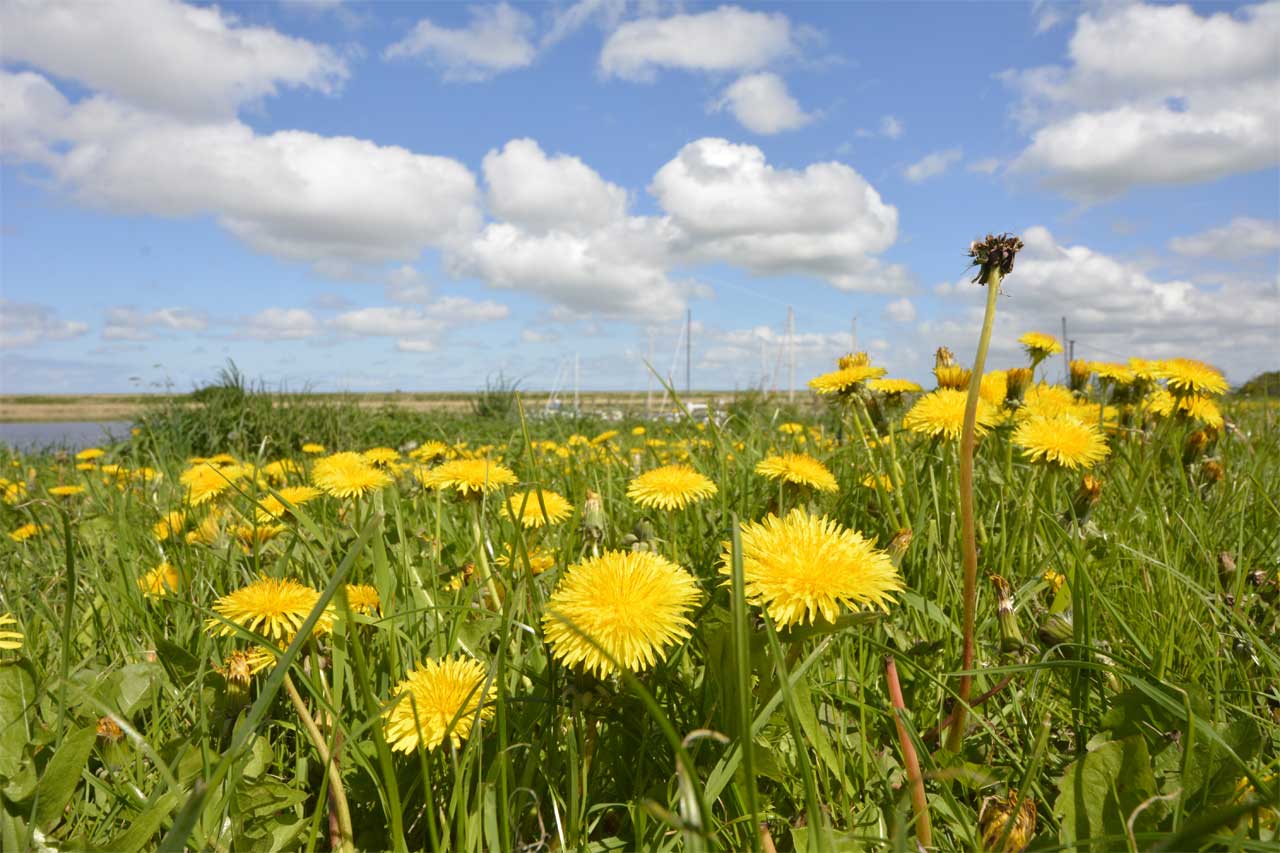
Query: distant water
x=72, y=435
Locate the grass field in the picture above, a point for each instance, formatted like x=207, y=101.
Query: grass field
x=620, y=675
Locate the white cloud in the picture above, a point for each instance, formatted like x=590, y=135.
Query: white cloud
x=1114, y=308
x=932, y=165
x=1199, y=101
x=762, y=104
x=987, y=166
x=24, y=324
x=164, y=55
x=125, y=323
x=724, y=39
x=565, y=234
x=336, y=202
x=406, y=284
x=891, y=127
x=729, y=205
x=498, y=38
x=1239, y=238
x=901, y=310
x=569, y=19
x=418, y=329
x=535, y=336
x=277, y=324
x=541, y=193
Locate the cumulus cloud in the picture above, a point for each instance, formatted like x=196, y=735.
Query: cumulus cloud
x=986, y=166
x=762, y=104
x=564, y=233
x=932, y=165
x=900, y=310
x=1239, y=238
x=25, y=324
x=724, y=39
x=1115, y=307
x=336, y=202
x=125, y=323
x=891, y=127
x=1199, y=101
x=728, y=204
x=281, y=324
x=193, y=61
x=498, y=38
x=418, y=329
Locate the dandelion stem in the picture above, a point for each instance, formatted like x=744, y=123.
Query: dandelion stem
x=924, y=830
x=968, y=543
x=339, y=795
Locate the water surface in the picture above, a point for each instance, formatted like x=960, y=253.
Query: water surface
x=72, y=435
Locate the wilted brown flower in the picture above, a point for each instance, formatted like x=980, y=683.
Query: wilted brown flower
x=1006, y=818
x=995, y=252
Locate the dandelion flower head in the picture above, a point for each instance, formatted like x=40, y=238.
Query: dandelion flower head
x=438, y=699
x=273, y=608
x=469, y=476
x=799, y=469
x=631, y=604
x=894, y=387
x=1062, y=440
x=940, y=414
x=845, y=379
x=670, y=487
x=526, y=508
x=1185, y=376
x=205, y=481
x=10, y=639
x=160, y=581
x=1039, y=345
x=803, y=567
x=348, y=475
x=363, y=598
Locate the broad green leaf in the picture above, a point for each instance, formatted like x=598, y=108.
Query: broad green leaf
x=1101, y=789
x=17, y=693
x=61, y=775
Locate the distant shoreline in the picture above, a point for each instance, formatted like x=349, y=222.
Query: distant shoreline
x=45, y=408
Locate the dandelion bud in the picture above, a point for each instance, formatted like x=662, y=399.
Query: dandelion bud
x=943, y=358
x=593, y=520
x=1078, y=375
x=1226, y=569
x=111, y=749
x=1009, y=819
x=109, y=730
x=1017, y=380
x=1010, y=635
x=952, y=376
x=853, y=359
x=1194, y=447
x=1211, y=471
x=1057, y=629
x=1085, y=499
x=899, y=544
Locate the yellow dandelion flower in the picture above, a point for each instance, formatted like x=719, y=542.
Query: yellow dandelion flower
x=637, y=430
x=940, y=414
x=251, y=536
x=540, y=559
x=348, y=475
x=160, y=581
x=10, y=640
x=438, y=699
x=794, y=428
x=803, y=567
x=1054, y=579
x=381, y=456
x=952, y=377
x=894, y=387
x=363, y=599
x=1063, y=440
x=281, y=470
x=670, y=487
x=884, y=481
x=1145, y=368
x=272, y=608
x=526, y=507
x=604, y=437
x=998, y=819
x=1195, y=407
x=239, y=667
x=1113, y=372
x=312, y=448
x=207, y=531
x=206, y=481
x=1040, y=346
x=271, y=507
x=14, y=492
x=1186, y=376
x=1048, y=401
x=994, y=387
x=66, y=491
x=86, y=466
x=429, y=450
x=845, y=379
x=25, y=532
x=469, y=476
x=90, y=453
x=631, y=604
x=800, y=469
x=222, y=460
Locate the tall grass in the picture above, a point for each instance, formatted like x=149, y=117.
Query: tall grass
x=1145, y=717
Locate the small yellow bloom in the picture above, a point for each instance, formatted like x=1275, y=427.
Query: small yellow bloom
x=532, y=512
x=670, y=487
x=438, y=699
x=10, y=640
x=799, y=469
x=273, y=608
x=160, y=581
x=25, y=532
x=363, y=598
x=90, y=453
x=66, y=491
x=312, y=448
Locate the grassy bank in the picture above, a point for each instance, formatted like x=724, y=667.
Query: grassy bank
x=1125, y=693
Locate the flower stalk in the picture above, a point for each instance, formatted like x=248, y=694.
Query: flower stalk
x=994, y=259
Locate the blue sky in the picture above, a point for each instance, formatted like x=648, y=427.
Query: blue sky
x=418, y=196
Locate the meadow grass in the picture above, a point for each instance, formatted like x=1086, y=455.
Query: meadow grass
x=1134, y=706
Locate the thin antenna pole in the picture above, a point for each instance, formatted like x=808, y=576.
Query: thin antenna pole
x=791, y=354
x=688, y=352
x=1066, y=357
